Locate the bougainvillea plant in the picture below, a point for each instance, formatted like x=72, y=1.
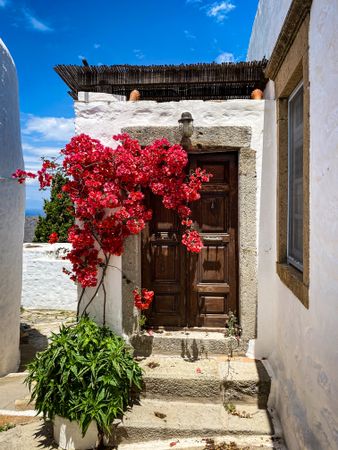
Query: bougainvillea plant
x=107, y=187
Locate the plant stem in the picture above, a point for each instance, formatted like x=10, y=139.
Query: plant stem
x=96, y=290
x=79, y=303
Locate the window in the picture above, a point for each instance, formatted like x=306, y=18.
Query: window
x=295, y=179
x=288, y=67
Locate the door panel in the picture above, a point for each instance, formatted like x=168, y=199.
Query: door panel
x=162, y=266
x=196, y=290
x=213, y=264
x=211, y=212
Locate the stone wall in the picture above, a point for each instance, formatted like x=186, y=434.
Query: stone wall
x=44, y=285
x=300, y=343
x=12, y=201
x=30, y=224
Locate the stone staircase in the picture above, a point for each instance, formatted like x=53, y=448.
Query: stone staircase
x=195, y=396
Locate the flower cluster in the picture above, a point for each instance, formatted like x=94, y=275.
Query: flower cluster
x=143, y=298
x=106, y=186
x=192, y=240
x=22, y=175
x=44, y=176
x=53, y=238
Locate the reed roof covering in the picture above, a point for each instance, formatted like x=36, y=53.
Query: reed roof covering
x=168, y=83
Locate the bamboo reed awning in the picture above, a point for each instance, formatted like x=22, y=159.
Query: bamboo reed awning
x=168, y=83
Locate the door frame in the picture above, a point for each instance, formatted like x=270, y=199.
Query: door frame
x=215, y=139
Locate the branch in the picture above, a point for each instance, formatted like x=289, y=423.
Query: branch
x=96, y=290
x=79, y=303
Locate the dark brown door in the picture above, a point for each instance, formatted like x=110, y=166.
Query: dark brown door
x=195, y=290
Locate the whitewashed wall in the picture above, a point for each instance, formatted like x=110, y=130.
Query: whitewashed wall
x=11, y=215
x=304, y=350
x=44, y=285
x=269, y=19
x=103, y=115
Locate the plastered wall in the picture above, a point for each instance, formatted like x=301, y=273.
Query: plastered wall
x=44, y=285
x=103, y=115
x=11, y=215
x=269, y=19
x=301, y=344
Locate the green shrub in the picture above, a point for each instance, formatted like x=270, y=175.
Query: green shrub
x=86, y=373
x=58, y=213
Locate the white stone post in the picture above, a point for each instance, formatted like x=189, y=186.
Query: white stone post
x=113, y=293
x=12, y=205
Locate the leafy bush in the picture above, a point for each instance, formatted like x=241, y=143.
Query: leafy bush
x=59, y=213
x=86, y=373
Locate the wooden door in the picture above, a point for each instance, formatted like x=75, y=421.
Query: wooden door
x=195, y=290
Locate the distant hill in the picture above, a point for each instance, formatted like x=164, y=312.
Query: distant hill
x=34, y=212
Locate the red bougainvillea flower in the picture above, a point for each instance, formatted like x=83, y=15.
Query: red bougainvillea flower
x=105, y=186
x=53, y=238
x=143, y=298
x=192, y=240
x=22, y=175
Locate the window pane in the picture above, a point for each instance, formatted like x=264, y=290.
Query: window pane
x=295, y=210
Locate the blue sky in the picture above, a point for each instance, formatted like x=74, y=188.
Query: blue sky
x=42, y=33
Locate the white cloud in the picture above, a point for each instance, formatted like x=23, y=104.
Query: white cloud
x=3, y=3
x=96, y=46
x=225, y=57
x=189, y=35
x=34, y=152
x=34, y=23
x=55, y=129
x=220, y=10
x=138, y=53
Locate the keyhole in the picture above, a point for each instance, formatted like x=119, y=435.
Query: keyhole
x=212, y=206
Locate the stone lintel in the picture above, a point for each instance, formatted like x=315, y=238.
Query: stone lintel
x=220, y=137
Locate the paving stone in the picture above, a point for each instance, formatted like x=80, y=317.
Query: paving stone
x=12, y=388
x=33, y=436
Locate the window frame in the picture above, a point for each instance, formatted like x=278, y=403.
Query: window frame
x=289, y=258
x=288, y=66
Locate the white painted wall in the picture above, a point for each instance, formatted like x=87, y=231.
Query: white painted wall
x=11, y=215
x=103, y=115
x=269, y=19
x=44, y=285
x=304, y=350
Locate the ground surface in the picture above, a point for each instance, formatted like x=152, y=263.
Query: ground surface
x=36, y=326
x=32, y=433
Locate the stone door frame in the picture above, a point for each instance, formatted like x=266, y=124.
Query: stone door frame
x=206, y=140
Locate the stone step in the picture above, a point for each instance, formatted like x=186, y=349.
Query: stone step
x=191, y=344
x=174, y=378
x=206, y=380
x=12, y=388
x=245, y=380
x=237, y=442
x=160, y=419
